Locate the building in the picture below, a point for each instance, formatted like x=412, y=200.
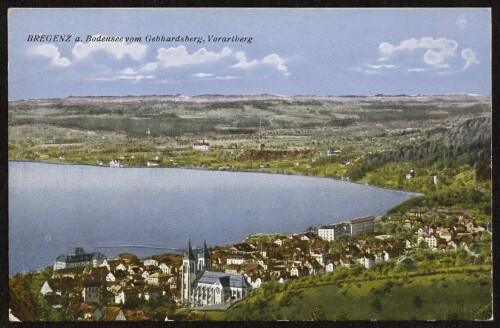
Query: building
x=201, y=145
x=91, y=290
x=334, y=231
x=116, y=162
x=79, y=258
x=362, y=225
x=348, y=228
x=203, y=287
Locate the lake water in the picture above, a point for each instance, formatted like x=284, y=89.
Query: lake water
x=54, y=208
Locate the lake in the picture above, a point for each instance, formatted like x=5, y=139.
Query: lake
x=55, y=207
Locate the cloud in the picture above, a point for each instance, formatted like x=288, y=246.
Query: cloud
x=135, y=77
x=470, y=57
x=437, y=50
x=124, y=77
x=119, y=49
x=276, y=61
x=242, y=61
x=229, y=77
x=52, y=52
x=129, y=71
x=202, y=75
x=416, y=70
x=381, y=66
x=179, y=56
x=149, y=67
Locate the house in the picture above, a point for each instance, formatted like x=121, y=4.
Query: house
x=445, y=234
x=153, y=162
x=121, y=267
x=150, y=262
x=304, y=237
x=46, y=289
x=116, y=162
x=91, y=289
x=201, y=145
x=329, y=267
x=254, y=282
x=417, y=212
x=366, y=261
x=154, y=279
x=113, y=313
x=430, y=240
x=165, y=268
x=237, y=260
x=332, y=232
x=278, y=242
x=120, y=296
x=346, y=262
x=110, y=277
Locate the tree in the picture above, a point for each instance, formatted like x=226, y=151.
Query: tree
x=318, y=314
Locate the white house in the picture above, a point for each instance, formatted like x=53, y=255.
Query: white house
x=329, y=267
x=153, y=279
x=116, y=162
x=366, y=262
x=46, y=289
x=120, y=297
x=236, y=260
x=121, y=267
x=201, y=145
x=255, y=283
x=165, y=268
x=110, y=277
x=410, y=174
x=278, y=242
x=150, y=262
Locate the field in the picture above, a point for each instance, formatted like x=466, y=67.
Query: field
x=443, y=296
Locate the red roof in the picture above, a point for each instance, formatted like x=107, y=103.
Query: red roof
x=359, y=220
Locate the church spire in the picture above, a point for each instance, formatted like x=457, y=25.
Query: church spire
x=190, y=255
x=206, y=252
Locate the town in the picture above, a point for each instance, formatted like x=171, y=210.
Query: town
x=91, y=287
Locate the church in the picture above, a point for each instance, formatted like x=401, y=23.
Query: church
x=201, y=287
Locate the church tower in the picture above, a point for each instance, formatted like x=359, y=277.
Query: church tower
x=189, y=273
x=204, y=262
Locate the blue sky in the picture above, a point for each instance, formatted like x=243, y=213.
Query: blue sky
x=293, y=51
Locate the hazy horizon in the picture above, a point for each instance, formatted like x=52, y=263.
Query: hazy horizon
x=54, y=53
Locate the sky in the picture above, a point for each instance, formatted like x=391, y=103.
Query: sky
x=209, y=51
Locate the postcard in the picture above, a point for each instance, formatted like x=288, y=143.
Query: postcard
x=244, y=164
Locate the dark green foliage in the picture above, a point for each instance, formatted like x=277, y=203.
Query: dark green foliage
x=318, y=314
